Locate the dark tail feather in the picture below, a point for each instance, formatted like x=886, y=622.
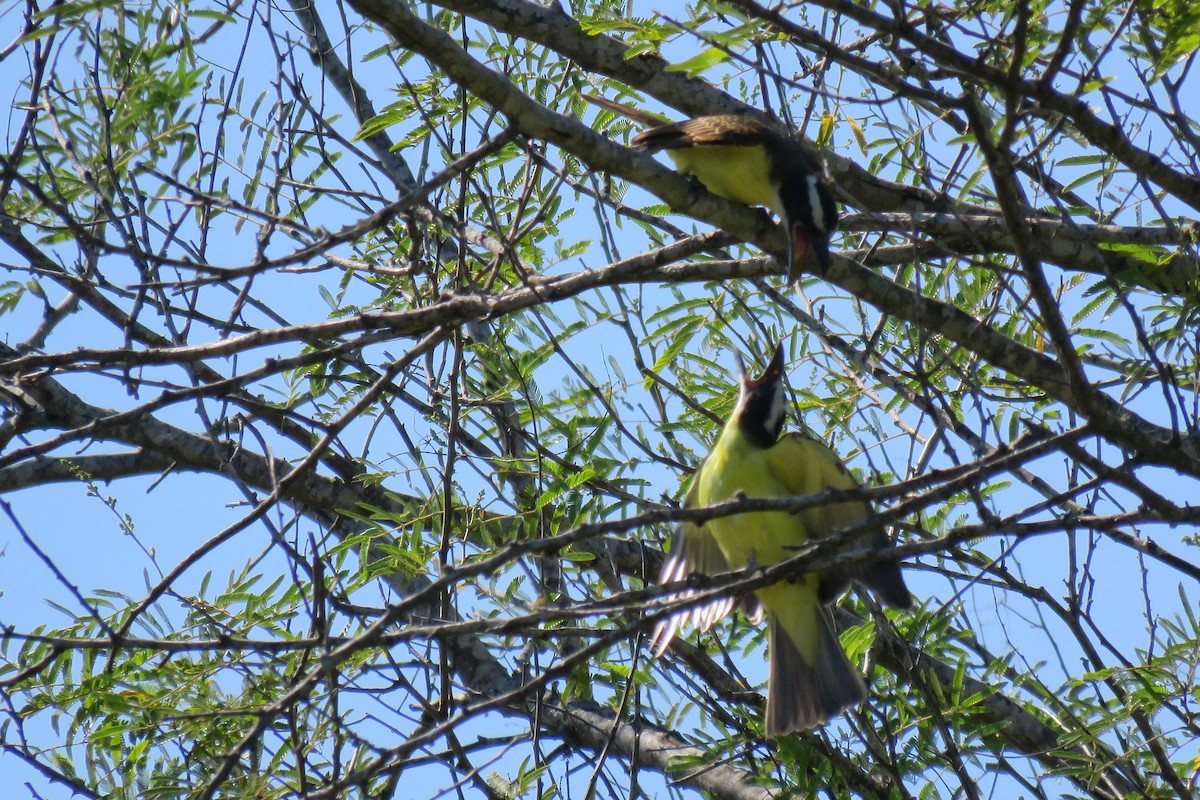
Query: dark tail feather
x=883, y=578
x=802, y=695
x=887, y=582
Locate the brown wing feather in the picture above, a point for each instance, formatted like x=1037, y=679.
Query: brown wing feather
x=724, y=130
x=807, y=466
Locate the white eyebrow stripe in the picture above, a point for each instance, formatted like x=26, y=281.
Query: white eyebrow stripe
x=778, y=407
x=815, y=207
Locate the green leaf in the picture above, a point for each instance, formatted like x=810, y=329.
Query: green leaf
x=701, y=61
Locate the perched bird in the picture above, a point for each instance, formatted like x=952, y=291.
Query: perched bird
x=742, y=159
x=810, y=677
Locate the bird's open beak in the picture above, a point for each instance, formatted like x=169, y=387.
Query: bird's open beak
x=774, y=370
x=797, y=252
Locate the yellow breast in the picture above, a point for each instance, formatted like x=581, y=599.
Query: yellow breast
x=761, y=537
x=735, y=173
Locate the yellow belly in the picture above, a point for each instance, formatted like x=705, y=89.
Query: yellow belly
x=735, y=173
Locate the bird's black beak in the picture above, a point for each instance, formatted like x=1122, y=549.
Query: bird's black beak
x=771, y=374
x=799, y=243
x=820, y=246
x=774, y=370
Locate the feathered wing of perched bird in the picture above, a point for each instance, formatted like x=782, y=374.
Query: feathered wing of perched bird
x=742, y=159
x=810, y=677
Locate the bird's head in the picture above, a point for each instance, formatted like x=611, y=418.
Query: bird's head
x=811, y=217
x=762, y=403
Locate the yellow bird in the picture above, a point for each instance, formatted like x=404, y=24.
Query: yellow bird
x=742, y=159
x=810, y=677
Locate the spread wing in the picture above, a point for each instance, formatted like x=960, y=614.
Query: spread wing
x=806, y=466
x=694, y=551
